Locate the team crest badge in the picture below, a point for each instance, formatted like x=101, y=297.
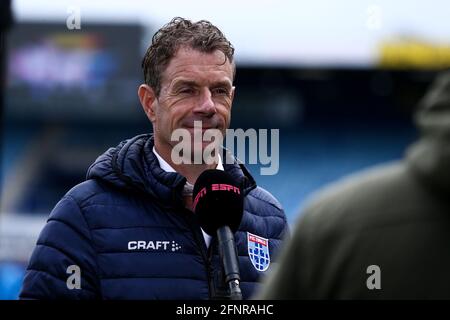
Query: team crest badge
x=258, y=251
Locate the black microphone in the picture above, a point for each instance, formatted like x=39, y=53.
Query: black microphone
x=219, y=205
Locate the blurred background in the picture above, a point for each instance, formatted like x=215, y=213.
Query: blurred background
x=340, y=79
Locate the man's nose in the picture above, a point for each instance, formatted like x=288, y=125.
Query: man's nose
x=205, y=105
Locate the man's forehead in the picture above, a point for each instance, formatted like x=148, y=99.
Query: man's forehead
x=194, y=65
x=198, y=81
x=190, y=55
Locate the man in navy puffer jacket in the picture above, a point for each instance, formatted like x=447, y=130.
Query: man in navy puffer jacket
x=128, y=231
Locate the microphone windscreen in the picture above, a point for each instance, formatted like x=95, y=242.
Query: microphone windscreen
x=217, y=201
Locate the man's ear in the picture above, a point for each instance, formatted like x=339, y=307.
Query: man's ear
x=147, y=96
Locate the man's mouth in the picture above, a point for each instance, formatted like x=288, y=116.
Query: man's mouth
x=202, y=127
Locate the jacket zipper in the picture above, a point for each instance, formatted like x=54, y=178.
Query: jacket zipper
x=206, y=253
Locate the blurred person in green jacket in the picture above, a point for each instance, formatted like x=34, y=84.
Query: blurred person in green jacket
x=383, y=233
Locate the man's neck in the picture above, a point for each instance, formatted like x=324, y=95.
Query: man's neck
x=190, y=171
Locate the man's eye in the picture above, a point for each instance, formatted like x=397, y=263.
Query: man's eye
x=220, y=91
x=186, y=91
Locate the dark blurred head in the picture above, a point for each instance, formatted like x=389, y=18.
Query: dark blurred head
x=202, y=36
x=433, y=114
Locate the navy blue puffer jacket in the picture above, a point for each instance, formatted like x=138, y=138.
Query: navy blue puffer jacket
x=127, y=230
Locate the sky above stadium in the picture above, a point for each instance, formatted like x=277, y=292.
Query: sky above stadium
x=274, y=32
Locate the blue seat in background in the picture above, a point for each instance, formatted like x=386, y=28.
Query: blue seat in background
x=11, y=276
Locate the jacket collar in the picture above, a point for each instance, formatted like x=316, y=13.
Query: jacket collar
x=133, y=166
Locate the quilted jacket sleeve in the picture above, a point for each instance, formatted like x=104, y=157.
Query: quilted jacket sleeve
x=63, y=263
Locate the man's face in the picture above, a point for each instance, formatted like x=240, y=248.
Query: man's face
x=195, y=86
